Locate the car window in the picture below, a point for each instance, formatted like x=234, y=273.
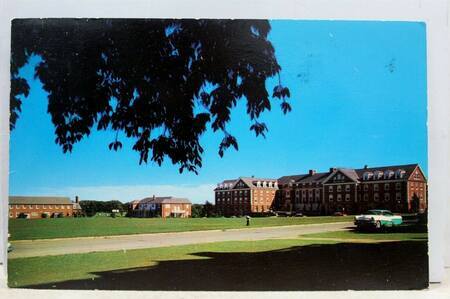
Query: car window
x=373, y=212
x=388, y=214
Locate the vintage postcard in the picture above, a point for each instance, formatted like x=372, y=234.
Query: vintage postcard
x=218, y=155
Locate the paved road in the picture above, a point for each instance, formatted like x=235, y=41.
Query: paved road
x=126, y=242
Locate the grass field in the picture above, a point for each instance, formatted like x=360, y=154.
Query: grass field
x=293, y=264
x=420, y=236
x=25, y=229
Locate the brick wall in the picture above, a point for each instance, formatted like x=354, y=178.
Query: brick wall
x=36, y=211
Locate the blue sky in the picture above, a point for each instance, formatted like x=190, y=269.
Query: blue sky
x=358, y=96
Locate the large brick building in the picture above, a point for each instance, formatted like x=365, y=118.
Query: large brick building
x=32, y=207
x=245, y=195
x=161, y=207
x=399, y=188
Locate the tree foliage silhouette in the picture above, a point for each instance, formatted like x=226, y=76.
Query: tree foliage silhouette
x=159, y=82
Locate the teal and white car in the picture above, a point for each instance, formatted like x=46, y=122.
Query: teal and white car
x=378, y=219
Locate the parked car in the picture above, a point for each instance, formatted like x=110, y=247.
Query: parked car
x=338, y=214
x=299, y=214
x=377, y=219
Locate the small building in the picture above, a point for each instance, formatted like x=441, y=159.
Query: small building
x=164, y=207
x=33, y=207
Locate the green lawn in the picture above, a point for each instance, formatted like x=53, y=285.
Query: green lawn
x=415, y=236
x=26, y=229
x=50, y=269
x=287, y=264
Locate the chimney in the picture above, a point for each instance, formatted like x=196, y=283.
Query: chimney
x=333, y=169
x=153, y=196
x=366, y=166
x=312, y=171
x=76, y=199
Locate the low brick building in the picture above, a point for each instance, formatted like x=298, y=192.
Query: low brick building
x=33, y=207
x=160, y=207
x=245, y=195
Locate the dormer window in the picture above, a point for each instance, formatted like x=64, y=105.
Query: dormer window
x=264, y=184
x=258, y=184
x=367, y=176
x=399, y=173
x=377, y=175
x=388, y=174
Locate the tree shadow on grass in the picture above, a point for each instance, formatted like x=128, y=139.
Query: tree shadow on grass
x=342, y=266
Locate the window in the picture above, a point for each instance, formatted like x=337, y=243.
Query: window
x=378, y=175
x=347, y=197
x=366, y=187
x=330, y=188
x=376, y=197
x=339, y=188
x=366, y=197
x=10, y=207
x=339, y=197
x=398, y=196
x=317, y=191
x=367, y=175
x=330, y=197
x=288, y=193
x=388, y=174
x=399, y=173
x=375, y=187
x=387, y=197
x=386, y=187
x=398, y=186
x=347, y=188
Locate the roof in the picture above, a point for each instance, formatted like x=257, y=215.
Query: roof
x=229, y=183
x=251, y=181
x=408, y=168
x=165, y=199
x=38, y=200
x=289, y=178
x=315, y=178
x=76, y=206
x=350, y=173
